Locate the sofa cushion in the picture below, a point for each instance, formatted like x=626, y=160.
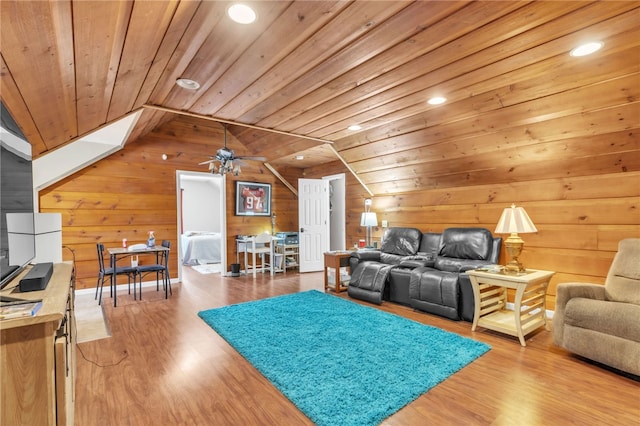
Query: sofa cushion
x=430, y=243
x=613, y=318
x=623, y=279
x=401, y=241
x=467, y=243
x=436, y=292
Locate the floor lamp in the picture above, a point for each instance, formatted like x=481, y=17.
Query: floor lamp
x=368, y=219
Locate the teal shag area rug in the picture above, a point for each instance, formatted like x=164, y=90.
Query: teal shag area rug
x=339, y=362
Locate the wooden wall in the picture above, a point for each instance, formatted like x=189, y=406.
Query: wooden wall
x=133, y=191
x=580, y=220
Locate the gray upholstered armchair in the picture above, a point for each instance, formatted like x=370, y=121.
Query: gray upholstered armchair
x=602, y=323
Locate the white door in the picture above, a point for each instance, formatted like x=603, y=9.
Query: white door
x=313, y=234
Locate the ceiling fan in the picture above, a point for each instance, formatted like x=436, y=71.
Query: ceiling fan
x=226, y=158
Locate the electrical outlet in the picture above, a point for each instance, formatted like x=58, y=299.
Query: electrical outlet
x=385, y=224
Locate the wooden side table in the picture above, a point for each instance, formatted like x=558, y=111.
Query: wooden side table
x=490, y=294
x=336, y=260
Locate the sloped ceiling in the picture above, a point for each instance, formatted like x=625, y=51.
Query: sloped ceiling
x=312, y=68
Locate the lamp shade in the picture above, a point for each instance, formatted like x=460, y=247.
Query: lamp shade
x=368, y=219
x=515, y=219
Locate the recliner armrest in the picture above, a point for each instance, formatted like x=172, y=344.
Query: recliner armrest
x=362, y=255
x=416, y=261
x=566, y=292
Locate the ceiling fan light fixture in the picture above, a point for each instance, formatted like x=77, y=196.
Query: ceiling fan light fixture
x=437, y=100
x=187, y=83
x=586, y=49
x=241, y=13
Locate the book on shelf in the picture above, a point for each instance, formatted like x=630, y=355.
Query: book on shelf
x=17, y=310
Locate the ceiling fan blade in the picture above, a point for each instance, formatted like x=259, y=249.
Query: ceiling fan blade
x=207, y=162
x=251, y=158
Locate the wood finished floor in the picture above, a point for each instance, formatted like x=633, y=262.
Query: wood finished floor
x=165, y=366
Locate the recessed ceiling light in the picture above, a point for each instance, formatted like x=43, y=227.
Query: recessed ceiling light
x=354, y=127
x=241, y=13
x=437, y=100
x=187, y=83
x=587, y=48
x=299, y=157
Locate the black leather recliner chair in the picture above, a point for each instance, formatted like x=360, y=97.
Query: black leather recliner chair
x=370, y=268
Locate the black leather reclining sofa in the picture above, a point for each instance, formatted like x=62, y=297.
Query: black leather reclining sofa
x=424, y=270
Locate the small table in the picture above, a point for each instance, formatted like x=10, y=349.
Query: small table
x=490, y=294
x=336, y=260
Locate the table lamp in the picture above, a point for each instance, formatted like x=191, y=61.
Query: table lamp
x=514, y=220
x=368, y=219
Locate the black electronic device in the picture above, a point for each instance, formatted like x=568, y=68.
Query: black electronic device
x=37, y=278
x=288, y=238
x=17, y=236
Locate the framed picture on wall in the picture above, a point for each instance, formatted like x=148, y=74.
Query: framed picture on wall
x=253, y=199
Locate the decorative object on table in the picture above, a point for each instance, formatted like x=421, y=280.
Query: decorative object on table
x=253, y=199
x=368, y=219
x=226, y=157
x=151, y=241
x=514, y=220
x=326, y=354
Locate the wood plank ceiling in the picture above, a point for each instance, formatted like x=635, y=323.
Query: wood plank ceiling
x=312, y=68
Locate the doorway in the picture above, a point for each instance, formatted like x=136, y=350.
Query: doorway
x=201, y=208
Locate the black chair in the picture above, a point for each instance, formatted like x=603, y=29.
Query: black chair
x=161, y=270
x=106, y=273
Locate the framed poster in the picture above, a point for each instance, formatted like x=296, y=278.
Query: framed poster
x=253, y=199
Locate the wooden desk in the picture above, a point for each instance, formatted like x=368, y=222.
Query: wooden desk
x=490, y=294
x=336, y=260
x=37, y=355
x=121, y=253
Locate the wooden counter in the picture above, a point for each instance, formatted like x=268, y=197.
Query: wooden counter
x=37, y=355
